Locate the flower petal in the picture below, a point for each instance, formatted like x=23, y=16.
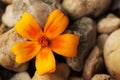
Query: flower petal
x=45, y=61
x=28, y=27
x=55, y=24
x=65, y=45
x=25, y=51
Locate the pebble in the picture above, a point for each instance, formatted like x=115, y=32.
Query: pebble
x=7, y=58
x=101, y=40
x=21, y=76
x=94, y=64
x=108, y=25
x=7, y=1
x=112, y=54
x=62, y=72
x=85, y=28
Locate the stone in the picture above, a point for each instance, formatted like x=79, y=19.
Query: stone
x=8, y=17
x=80, y=8
x=101, y=40
x=62, y=72
x=2, y=26
x=7, y=58
x=21, y=76
x=112, y=54
x=108, y=25
x=101, y=77
x=7, y=1
x=40, y=9
x=85, y=28
x=94, y=64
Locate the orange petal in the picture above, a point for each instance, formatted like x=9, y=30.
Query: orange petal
x=45, y=61
x=55, y=24
x=25, y=51
x=65, y=45
x=28, y=27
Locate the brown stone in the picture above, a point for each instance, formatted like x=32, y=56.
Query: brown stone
x=85, y=28
x=94, y=63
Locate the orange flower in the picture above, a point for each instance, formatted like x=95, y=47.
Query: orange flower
x=41, y=44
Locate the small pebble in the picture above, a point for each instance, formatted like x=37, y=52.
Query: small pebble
x=101, y=77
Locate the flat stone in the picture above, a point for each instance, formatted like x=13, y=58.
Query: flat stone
x=7, y=58
x=21, y=76
x=85, y=28
x=62, y=72
x=94, y=64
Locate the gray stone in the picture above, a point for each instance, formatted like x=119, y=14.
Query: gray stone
x=94, y=64
x=85, y=28
x=7, y=58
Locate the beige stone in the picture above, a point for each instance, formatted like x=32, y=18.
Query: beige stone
x=108, y=25
x=112, y=54
x=21, y=76
x=7, y=58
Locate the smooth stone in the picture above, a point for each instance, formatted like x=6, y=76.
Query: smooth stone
x=112, y=54
x=101, y=77
x=94, y=63
x=85, y=28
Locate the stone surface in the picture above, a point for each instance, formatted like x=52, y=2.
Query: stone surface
x=40, y=9
x=21, y=76
x=101, y=40
x=85, y=28
x=108, y=25
x=7, y=58
x=94, y=63
x=112, y=54
x=101, y=77
x=79, y=8
x=8, y=17
x=62, y=72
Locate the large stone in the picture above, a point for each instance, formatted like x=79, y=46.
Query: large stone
x=79, y=8
x=40, y=9
x=7, y=58
x=112, y=54
x=21, y=76
x=62, y=72
x=85, y=28
x=94, y=64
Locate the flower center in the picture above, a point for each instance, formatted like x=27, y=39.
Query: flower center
x=43, y=41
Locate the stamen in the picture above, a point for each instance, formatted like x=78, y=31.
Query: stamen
x=43, y=41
